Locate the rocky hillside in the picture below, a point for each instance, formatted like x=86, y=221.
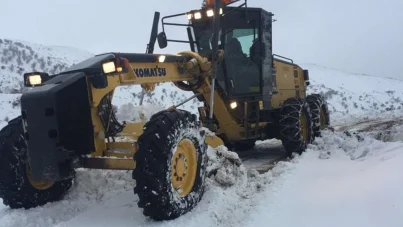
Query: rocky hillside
x=18, y=57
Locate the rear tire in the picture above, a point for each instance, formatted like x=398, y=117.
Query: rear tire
x=171, y=142
x=16, y=188
x=320, y=113
x=295, y=125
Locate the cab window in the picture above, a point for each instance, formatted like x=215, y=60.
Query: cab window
x=243, y=73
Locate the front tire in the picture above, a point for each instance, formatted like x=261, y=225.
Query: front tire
x=170, y=165
x=295, y=125
x=17, y=187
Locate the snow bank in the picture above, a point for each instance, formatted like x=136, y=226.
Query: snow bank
x=341, y=181
x=230, y=187
x=395, y=134
x=106, y=198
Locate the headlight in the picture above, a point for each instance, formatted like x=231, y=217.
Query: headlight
x=198, y=15
x=233, y=105
x=109, y=67
x=35, y=79
x=161, y=58
x=210, y=13
x=117, y=65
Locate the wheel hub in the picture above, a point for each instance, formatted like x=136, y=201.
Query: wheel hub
x=38, y=184
x=184, y=165
x=303, y=127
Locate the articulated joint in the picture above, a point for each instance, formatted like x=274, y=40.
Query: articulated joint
x=203, y=63
x=190, y=65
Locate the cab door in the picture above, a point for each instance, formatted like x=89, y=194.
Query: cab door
x=269, y=84
x=241, y=37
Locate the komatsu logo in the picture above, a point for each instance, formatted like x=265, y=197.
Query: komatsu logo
x=150, y=72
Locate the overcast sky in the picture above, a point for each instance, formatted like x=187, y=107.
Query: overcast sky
x=364, y=36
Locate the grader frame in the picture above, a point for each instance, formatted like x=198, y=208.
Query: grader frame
x=173, y=69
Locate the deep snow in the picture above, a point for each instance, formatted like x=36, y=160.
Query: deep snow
x=357, y=184
x=340, y=181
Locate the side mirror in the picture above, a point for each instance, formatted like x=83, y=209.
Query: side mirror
x=162, y=40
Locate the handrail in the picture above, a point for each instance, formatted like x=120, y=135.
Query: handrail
x=284, y=58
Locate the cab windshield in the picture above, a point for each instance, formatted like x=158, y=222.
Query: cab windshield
x=240, y=75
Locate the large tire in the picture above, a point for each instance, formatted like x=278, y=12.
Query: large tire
x=16, y=187
x=171, y=142
x=295, y=125
x=320, y=113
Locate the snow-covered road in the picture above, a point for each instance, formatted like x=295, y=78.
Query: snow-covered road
x=342, y=180
x=337, y=189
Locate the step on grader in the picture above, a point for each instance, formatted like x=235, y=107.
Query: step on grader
x=67, y=120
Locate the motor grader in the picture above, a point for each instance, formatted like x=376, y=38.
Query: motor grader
x=68, y=121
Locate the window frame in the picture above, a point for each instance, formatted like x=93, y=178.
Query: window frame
x=259, y=27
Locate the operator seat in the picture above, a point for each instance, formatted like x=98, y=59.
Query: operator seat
x=256, y=63
x=252, y=51
x=233, y=48
x=236, y=65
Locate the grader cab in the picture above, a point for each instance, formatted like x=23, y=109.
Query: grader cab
x=67, y=120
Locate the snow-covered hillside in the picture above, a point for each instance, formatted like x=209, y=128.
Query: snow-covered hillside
x=354, y=95
x=18, y=57
x=348, y=94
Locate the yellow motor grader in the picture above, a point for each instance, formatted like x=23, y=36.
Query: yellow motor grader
x=68, y=121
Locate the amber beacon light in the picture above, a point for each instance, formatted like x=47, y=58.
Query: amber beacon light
x=224, y=2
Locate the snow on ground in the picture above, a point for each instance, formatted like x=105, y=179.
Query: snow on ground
x=94, y=187
x=224, y=202
x=342, y=180
x=105, y=198
x=358, y=184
